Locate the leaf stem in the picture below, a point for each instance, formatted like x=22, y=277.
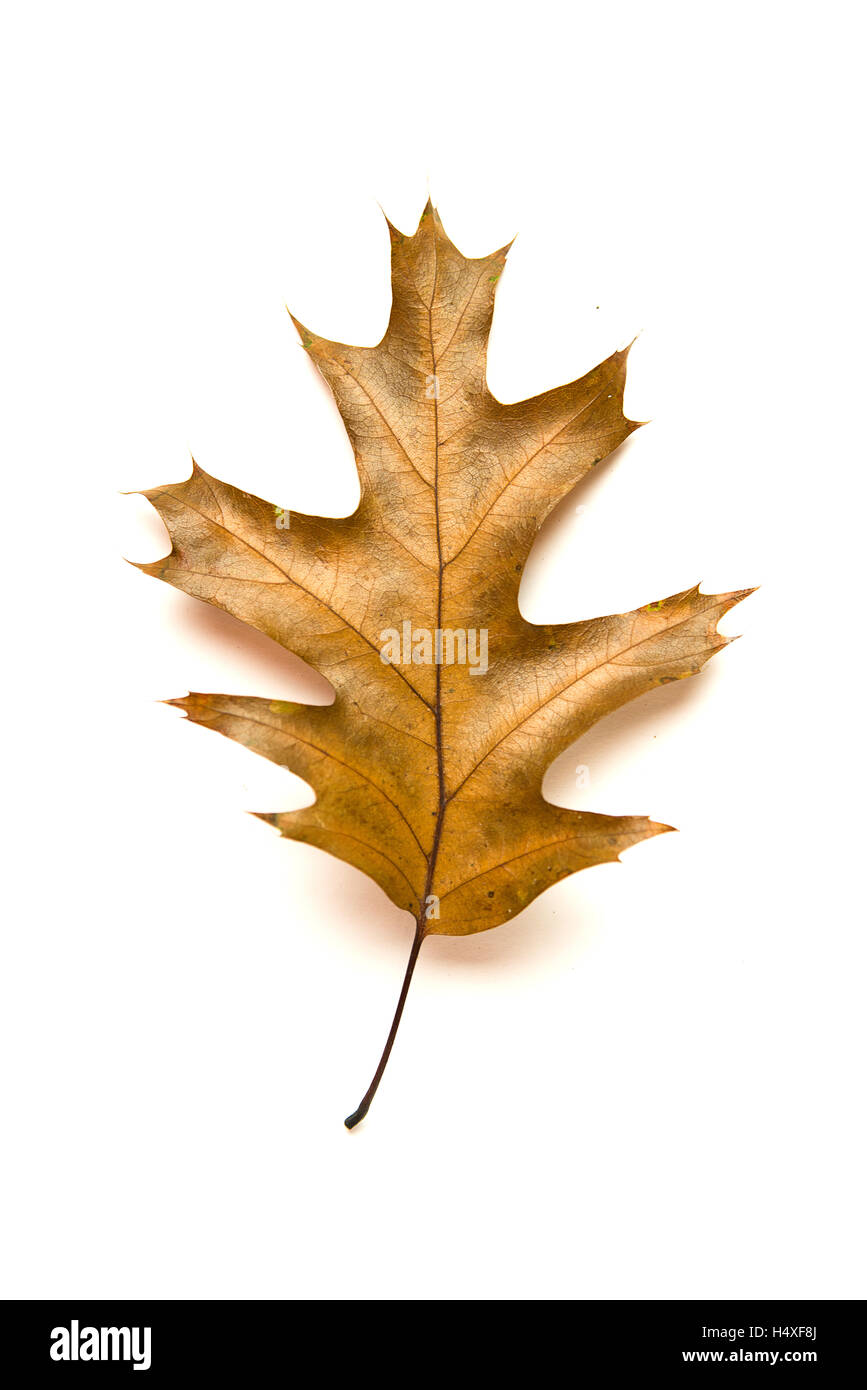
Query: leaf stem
x=358, y=1115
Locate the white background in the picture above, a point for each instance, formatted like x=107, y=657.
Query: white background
x=649, y=1085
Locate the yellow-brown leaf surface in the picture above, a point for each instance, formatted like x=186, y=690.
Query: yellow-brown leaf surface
x=428, y=775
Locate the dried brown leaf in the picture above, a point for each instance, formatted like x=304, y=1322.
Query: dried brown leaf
x=428, y=775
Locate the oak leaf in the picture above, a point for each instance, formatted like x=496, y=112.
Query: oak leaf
x=427, y=767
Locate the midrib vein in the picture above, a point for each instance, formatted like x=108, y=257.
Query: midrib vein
x=438, y=717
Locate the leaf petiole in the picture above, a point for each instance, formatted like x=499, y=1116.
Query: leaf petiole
x=358, y=1115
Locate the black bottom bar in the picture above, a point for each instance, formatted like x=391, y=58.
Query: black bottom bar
x=239, y=1342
